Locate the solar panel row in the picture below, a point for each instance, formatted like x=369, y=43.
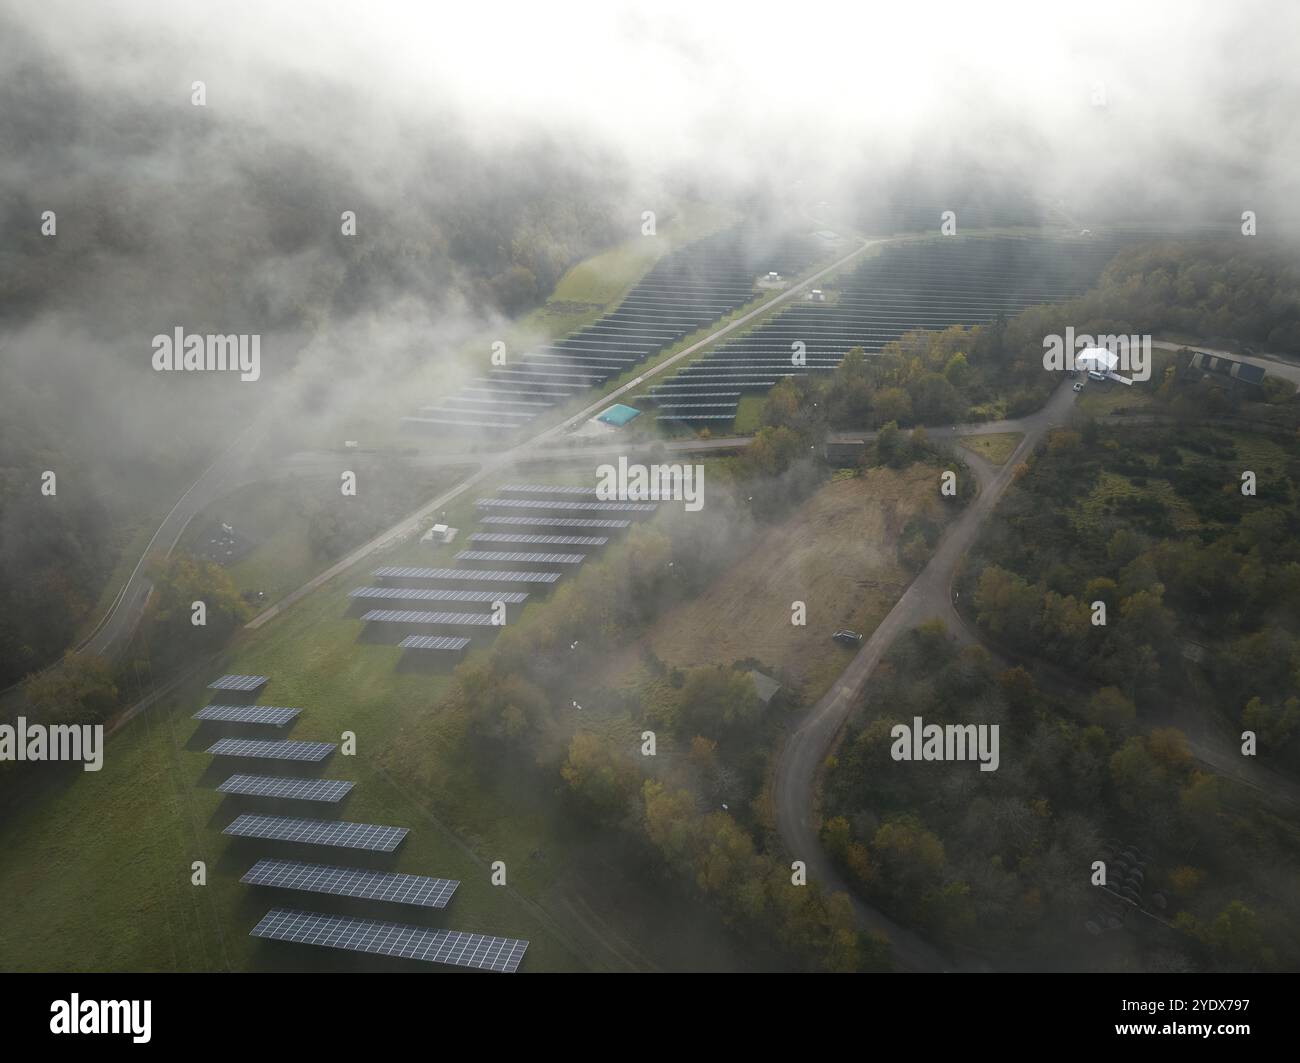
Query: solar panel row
x=392, y=939
x=559, y=504
x=272, y=715
x=431, y=594
x=521, y=558
x=539, y=540
x=328, y=790
x=433, y=642
x=476, y=575
x=238, y=682
x=337, y=833
x=417, y=616
x=534, y=521
x=271, y=749
x=547, y=489
x=419, y=890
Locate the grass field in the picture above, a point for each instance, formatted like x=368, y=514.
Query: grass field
x=276, y=517
x=996, y=448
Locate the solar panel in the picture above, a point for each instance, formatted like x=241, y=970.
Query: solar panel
x=552, y=540
x=557, y=522
x=370, y=836
x=547, y=503
x=238, y=682
x=478, y=576
x=431, y=594
x=456, y=423
x=330, y=790
x=433, y=642
x=450, y=947
x=547, y=489
x=271, y=749
x=518, y=558
x=273, y=715
x=419, y=890
x=417, y=616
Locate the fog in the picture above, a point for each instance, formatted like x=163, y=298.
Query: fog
x=455, y=131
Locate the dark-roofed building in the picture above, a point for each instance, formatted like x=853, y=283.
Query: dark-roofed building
x=1227, y=367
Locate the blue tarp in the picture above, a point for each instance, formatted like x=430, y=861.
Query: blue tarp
x=618, y=415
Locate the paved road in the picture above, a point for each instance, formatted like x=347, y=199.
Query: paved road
x=928, y=596
x=118, y=624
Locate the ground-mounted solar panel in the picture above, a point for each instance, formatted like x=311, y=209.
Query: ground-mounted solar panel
x=533, y=521
x=418, y=890
x=434, y=642
x=238, y=682
x=547, y=503
x=271, y=715
x=433, y=594
x=539, y=540
x=547, y=489
x=330, y=791
x=455, y=411
x=451, y=947
x=469, y=574
x=420, y=616
x=450, y=422
x=521, y=558
x=271, y=749
x=339, y=834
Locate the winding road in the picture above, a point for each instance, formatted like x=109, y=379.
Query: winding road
x=928, y=596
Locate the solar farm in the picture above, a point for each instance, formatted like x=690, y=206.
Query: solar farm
x=294, y=834
x=689, y=288
x=930, y=285
x=479, y=576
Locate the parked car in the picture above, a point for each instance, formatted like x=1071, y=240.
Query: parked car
x=848, y=638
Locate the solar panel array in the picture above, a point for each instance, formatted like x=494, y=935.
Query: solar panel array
x=539, y=540
x=418, y=890
x=449, y=947
x=521, y=558
x=344, y=932
x=372, y=837
x=547, y=489
x=687, y=289
x=546, y=503
x=416, y=616
x=271, y=749
x=534, y=521
x=916, y=286
x=238, y=682
x=478, y=576
x=430, y=594
x=272, y=715
x=288, y=789
x=434, y=642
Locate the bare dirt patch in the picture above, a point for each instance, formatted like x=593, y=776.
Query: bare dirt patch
x=838, y=554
